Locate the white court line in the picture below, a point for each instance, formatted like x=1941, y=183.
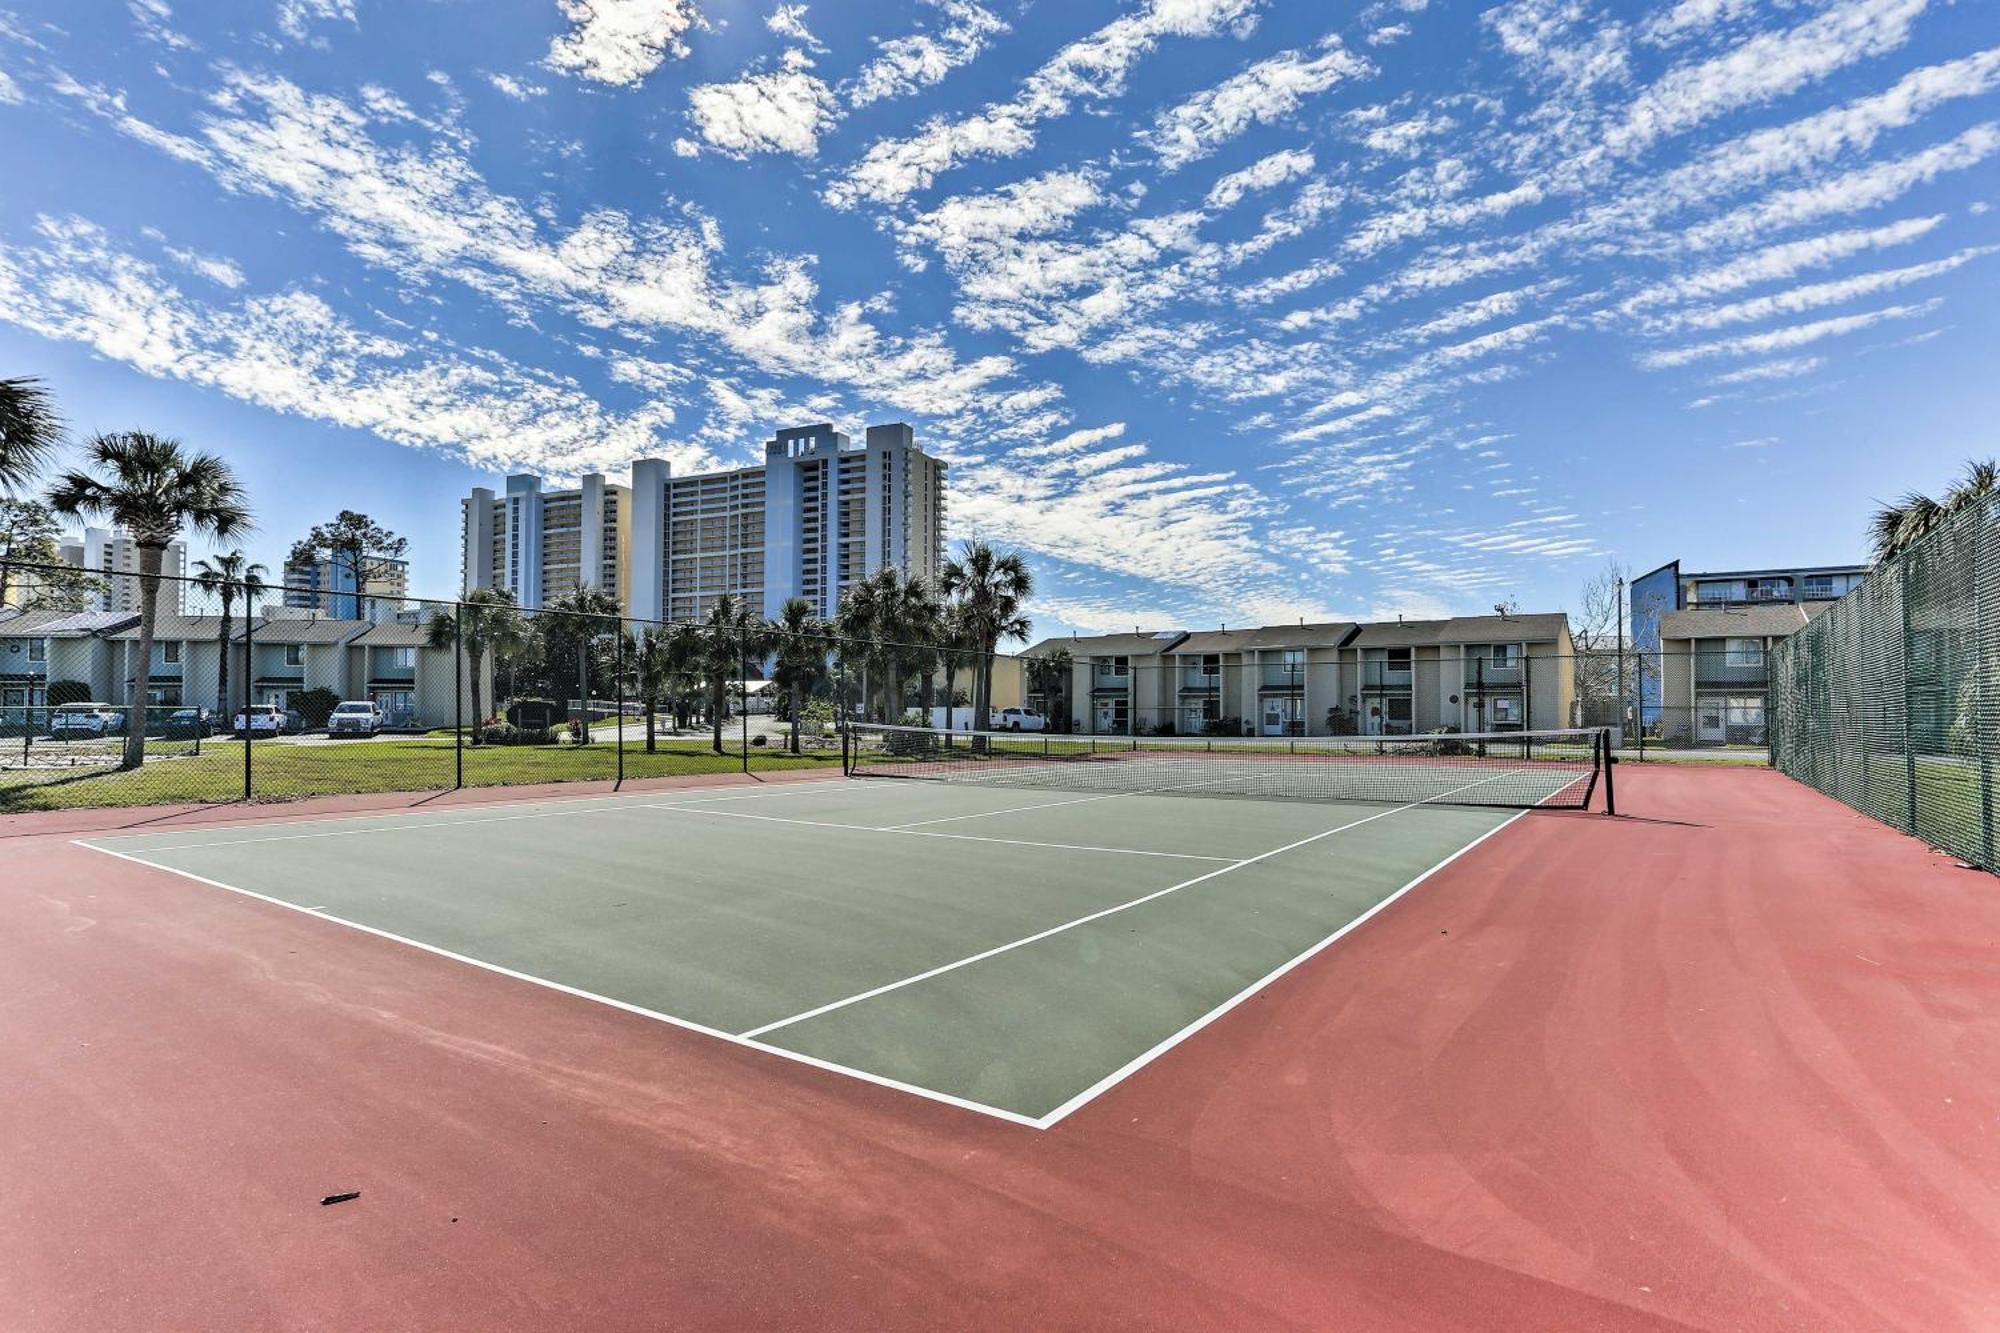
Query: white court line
x=903, y=831
x=1086, y=919
x=1139, y=1062
x=1019, y=809
x=625, y=801
x=928, y=1094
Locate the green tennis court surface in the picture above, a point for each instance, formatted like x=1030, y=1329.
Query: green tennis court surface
x=1014, y=951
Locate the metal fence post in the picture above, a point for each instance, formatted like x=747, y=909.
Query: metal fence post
x=249, y=641
x=743, y=668
x=457, y=696
x=1983, y=650
x=618, y=673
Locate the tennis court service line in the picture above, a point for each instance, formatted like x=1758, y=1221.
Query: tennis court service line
x=626, y=801
x=905, y=831
x=1086, y=919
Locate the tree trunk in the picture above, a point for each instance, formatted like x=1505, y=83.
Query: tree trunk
x=141, y=683
x=222, y=672
x=472, y=688
x=651, y=707
x=716, y=694
x=798, y=702
x=927, y=697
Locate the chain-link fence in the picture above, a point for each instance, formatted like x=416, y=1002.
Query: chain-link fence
x=242, y=697
x=1890, y=702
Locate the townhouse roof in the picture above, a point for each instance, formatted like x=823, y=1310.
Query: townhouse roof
x=1326, y=634
x=193, y=628
x=1771, y=620
x=65, y=624
x=395, y=634
x=1782, y=572
x=307, y=629
x=1538, y=628
x=1143, y=643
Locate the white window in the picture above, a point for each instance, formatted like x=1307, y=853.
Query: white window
x=295, y=654
x=1211, y=664
x=1502, y=655
x=170, y=652
x=1818, y=588
x=1118, y=666
x=1398, y=659
x=1504, y=709
x=1295, y=661
x=402, y=659
x=1746, y=652
x=38, y=650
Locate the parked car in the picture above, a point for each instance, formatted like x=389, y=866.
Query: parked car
x=267, y=720
x=184, y=724
x=76, y=721
x=355, y=717
x=1019, y=719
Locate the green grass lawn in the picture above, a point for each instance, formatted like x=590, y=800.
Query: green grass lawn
x=287, y=771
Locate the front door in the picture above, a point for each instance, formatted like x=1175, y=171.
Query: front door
x=1711, y=724
x=1113, y=717
x=1279, y=714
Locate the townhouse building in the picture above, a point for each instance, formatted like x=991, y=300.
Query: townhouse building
x=1715, y=676
x=1467, y=673
x=40, y=647
x=819, y=514
x=1670, y=588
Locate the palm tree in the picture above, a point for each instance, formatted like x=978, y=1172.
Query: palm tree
x=990, y=587
x=1048, y=676
x=654, y=668
x=1899, y=526
x=153, y=488
x=579, y=619
x=30, y=432
x=487, y=621
x=800, y=659
x=730, y=638
x=860, y=645
x=895, y=620
x=225, y=576
x=684, y=643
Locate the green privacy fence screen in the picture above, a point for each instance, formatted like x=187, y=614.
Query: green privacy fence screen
x=1890, y=701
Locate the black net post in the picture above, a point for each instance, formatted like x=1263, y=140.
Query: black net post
x=743, y=667
x=1609, y=761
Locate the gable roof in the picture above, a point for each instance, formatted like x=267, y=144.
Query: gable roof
x=394, y=634
x=1774, y=620
x=307, y=629
x=1327, y=634
x=1145, y=643
x=65, y=624
x=1539, y=628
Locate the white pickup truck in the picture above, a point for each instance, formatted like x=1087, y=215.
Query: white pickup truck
x=355, y=717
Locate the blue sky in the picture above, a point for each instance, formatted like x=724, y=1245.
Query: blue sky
x=1223, y=309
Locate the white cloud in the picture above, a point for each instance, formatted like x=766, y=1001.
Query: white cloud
x=509, y=86
x=1798, y=300
x=781, y=111
x=1092, y=68
x=904, y=65
x=1798, y=335
x=1267, y=91
x=292, y=353
x=1782, y=261
x=296, y=17
x=1788, y=368
x=620, y=42
x=1259, y=175
x=10, y=91
x=789, y=21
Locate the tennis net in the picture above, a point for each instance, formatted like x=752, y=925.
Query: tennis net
x=1518, y=769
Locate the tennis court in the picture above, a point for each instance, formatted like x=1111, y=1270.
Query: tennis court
x=1014, y=937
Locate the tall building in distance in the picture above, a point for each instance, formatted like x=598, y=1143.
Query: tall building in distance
x=820, y=514
x=113, y=553
x=327, y=586
x=539, y=545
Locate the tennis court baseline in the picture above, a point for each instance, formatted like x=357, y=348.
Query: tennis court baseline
x=1014, y=952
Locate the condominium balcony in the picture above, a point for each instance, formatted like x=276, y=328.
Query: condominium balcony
x=1486, y=671
x=1280, y=677
x=1718, y=669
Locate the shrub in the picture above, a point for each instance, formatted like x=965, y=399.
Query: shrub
x=313, y=706
x=505, y=733
x=759, y=739
x=1222, y=726
x=67, y=692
